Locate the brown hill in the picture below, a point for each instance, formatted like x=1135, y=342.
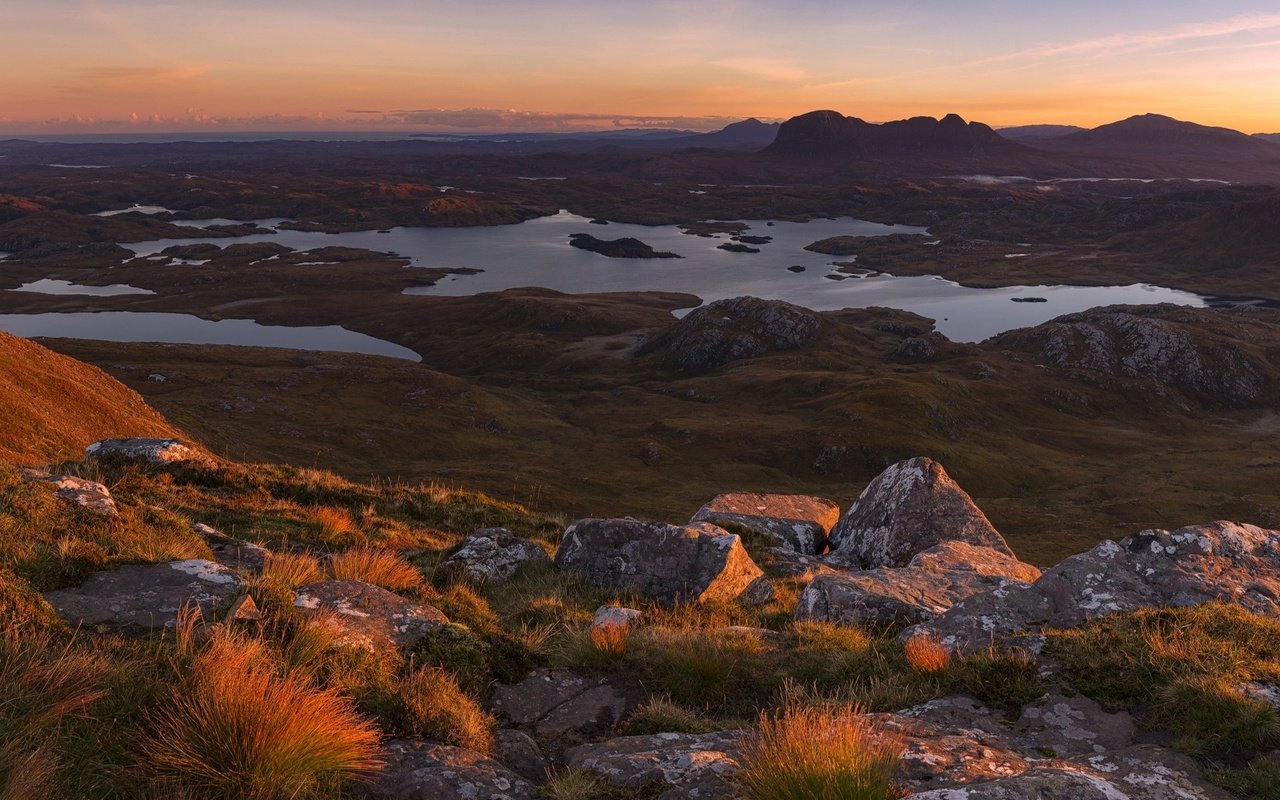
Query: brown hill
x=1158, y=136
x=52, y=406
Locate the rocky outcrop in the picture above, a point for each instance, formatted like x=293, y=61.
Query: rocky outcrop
x=693, y=765
x=666, y=563
x=910, y=507
x=1222, y=561
x=552, y=703
x=828, y=134
x=136, y=598
x=416, y=770
x=930, y=584
x=492, y=555
x=731, y=330
x=79, y=491
x=365, y=616
x=795, y=521
x=152, y=451
x=231, y=552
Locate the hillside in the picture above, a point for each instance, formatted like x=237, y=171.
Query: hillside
x=829, y=134
x=1158, y=136
x=51, y=406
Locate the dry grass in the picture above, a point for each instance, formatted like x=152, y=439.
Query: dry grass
x=379, y=567
x=610, y=640
x=332, y=524
x=291, y=570
x=925, y=653
x=819, y=752
x=236, y=727
x=432, y=705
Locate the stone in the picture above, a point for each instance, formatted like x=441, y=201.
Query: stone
x=232, y=552
x=552, y=703
x=153, y=451
x=616, y=615
x=243, y=609
x=139, y=598
x=666, y=563
x=367, y=616
x=725, y=331
x=934, y=754
x=694, y=765
x=798, y=522
x=930, y=584
x=86, y=494
x=1221, y=561
x=783, y=562
x=416, y=770
x=492, y=555
x=1073, y=726
x=910, y=507
x=521, y=754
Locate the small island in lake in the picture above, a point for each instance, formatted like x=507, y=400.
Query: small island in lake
x=626, y=247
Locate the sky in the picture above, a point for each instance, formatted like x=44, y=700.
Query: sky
x=88, y=66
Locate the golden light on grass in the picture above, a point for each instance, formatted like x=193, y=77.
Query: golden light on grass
x=610, y=639
x=819, y=752
x=332, y=524
x=379, y=567
x=434, y=706
x=291, y=570
x=926, y=653
x=236, y=727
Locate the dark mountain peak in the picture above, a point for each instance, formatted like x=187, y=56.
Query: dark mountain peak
x=829, y=133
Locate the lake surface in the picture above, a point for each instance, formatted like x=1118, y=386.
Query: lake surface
x=537, y=253
x=134, y=326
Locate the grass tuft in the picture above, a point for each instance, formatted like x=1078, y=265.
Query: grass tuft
x=379, y=567
x=432, y=705
x=925, y=653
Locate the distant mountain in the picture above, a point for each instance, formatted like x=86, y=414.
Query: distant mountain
x=1022, y=132
x=1157, y=136
x=1268, y=137
x=829, y=133
x=748, y=133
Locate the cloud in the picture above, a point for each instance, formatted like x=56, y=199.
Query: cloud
x=510, y=119
x=768, y=68
x=1249, y=23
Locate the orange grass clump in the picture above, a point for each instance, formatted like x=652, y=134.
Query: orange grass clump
x=610, y=639
x=925, y=653
x=819, y=752
x=237, y=728
x=291, y=569
x=379, y=567
x=331, y=523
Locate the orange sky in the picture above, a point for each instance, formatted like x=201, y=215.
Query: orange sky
x=106, y=65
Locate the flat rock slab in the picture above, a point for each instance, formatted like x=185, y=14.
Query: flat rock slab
x=694, y=765
x=418, y=770
x=555, y=702
x=910, y=507
x=1221, y=561
x=232, y=552
x=368, y=616
x=492, y=555
x=152, y=451
x=666, y=563
x=794, y=521
x=1073, y=726
x=138, y=598
x=930, y=584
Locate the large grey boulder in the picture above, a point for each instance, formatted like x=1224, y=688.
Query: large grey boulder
x=666, y=563
x=693, y=765
x=552, y=703
x=416, y=770
x=910, y=507
x=1221, y=561
x=930, y=584
x=137, y=598
x=492, y=555
x=795, y=521
x=366, y=616
x=152, y=451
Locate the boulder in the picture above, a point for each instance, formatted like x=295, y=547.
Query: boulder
x=931, y=583
x=616, y=615
x=492, y=555
x=666, y=563
x=367, y=616
x=416, y=770
x=232, y=552
x=552, y=703
x=521, y=754
x=86, y=494
x=910, y=507
x=1221, y=561
x=694, y=765
x=1073, y=726
x=152, y=451
x=798, y=522
x=138, y=598
x=725, y=331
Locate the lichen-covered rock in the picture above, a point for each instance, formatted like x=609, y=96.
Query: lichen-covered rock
x=910, y=507
x=86, y=494
x=620, y=616
x=694, y=765
x=137, y=598
x=666, y=563
x=232, y=552
x=554, y=702
x=366, y=616
x=416, y=770
x=938, y=754
x=1073, y=726
x=795, y=521
x=153, y=451
x=931, y=583
x=521, y=754
x=730, y=330
x=492, y=555
x=1221, y=561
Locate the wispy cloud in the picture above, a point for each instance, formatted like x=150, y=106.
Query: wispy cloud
x=768, y=68
x=1249, y=23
